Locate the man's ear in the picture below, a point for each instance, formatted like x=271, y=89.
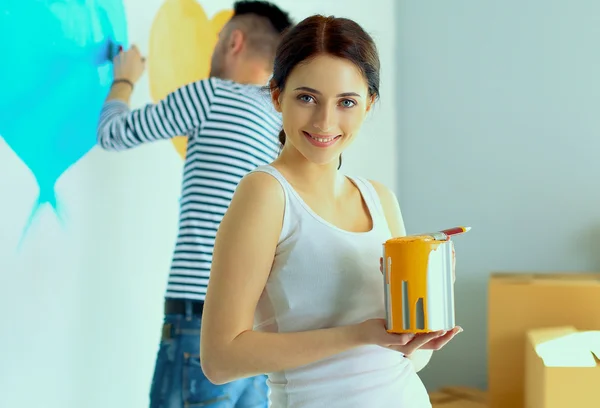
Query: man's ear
x=236, y=41
x=275, y=95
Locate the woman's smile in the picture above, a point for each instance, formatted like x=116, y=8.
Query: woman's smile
x=321, y=140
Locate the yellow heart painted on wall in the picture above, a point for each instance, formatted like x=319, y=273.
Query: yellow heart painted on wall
x=182, y=40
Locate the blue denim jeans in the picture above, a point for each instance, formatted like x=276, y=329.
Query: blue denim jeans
x=179, y=382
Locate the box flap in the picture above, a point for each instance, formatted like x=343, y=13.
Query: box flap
x=592, y=340
x=543, y=335
x=566, y=347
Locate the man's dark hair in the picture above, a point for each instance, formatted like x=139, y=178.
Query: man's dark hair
x=278, y=18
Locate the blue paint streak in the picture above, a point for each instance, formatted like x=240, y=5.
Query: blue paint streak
x=55, y=76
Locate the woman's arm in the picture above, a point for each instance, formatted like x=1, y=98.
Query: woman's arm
x=243, y=254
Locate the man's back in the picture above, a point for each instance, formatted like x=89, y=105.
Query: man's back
x=232, y=129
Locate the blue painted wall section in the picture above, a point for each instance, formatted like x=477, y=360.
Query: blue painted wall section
x=56, y=72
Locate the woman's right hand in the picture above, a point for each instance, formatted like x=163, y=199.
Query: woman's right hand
x=373, y=331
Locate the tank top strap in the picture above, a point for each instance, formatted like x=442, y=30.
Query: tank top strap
x=287, y=193
x=275, y=173
x=371, y=198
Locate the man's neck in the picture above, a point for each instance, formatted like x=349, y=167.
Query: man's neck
x=251, y=74
x=246, y=80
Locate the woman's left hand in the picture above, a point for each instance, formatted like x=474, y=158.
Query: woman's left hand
x=438, y=342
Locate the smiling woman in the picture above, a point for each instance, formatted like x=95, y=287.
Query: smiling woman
x=349, y=45
x=295, y=290
x=325, y=110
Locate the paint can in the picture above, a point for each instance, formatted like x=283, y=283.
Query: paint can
x=419, y=283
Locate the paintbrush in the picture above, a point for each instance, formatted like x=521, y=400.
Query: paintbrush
x=112, y=50
x=444, y=235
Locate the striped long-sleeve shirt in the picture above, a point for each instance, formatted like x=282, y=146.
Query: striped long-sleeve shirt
x=231, y=128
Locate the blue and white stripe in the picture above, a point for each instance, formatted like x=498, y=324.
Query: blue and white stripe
x=231, y=128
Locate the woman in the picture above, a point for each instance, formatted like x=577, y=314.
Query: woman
x=294, y=288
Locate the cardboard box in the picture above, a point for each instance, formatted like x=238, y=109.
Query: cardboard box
x=562, y=368
x=520, y=302
x=458, y=397
x=418, y=284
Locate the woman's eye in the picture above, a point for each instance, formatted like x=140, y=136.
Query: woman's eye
x=347, y=103
x=306, y=98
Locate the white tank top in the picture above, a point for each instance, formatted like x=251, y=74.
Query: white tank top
x=323, y=276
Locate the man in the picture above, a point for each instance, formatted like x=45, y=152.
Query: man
x=231, y=128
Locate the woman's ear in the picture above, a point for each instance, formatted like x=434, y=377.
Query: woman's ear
x=275, y=95
x=370, y=102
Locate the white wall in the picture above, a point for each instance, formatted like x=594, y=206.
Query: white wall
x=497, y=114
x=82, y=299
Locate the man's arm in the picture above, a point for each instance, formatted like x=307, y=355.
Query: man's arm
x=177, y=114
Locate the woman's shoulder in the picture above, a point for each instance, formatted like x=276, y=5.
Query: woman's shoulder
x=385, y=194
x=258, y=197
x=390, y=206
x=260, y=184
